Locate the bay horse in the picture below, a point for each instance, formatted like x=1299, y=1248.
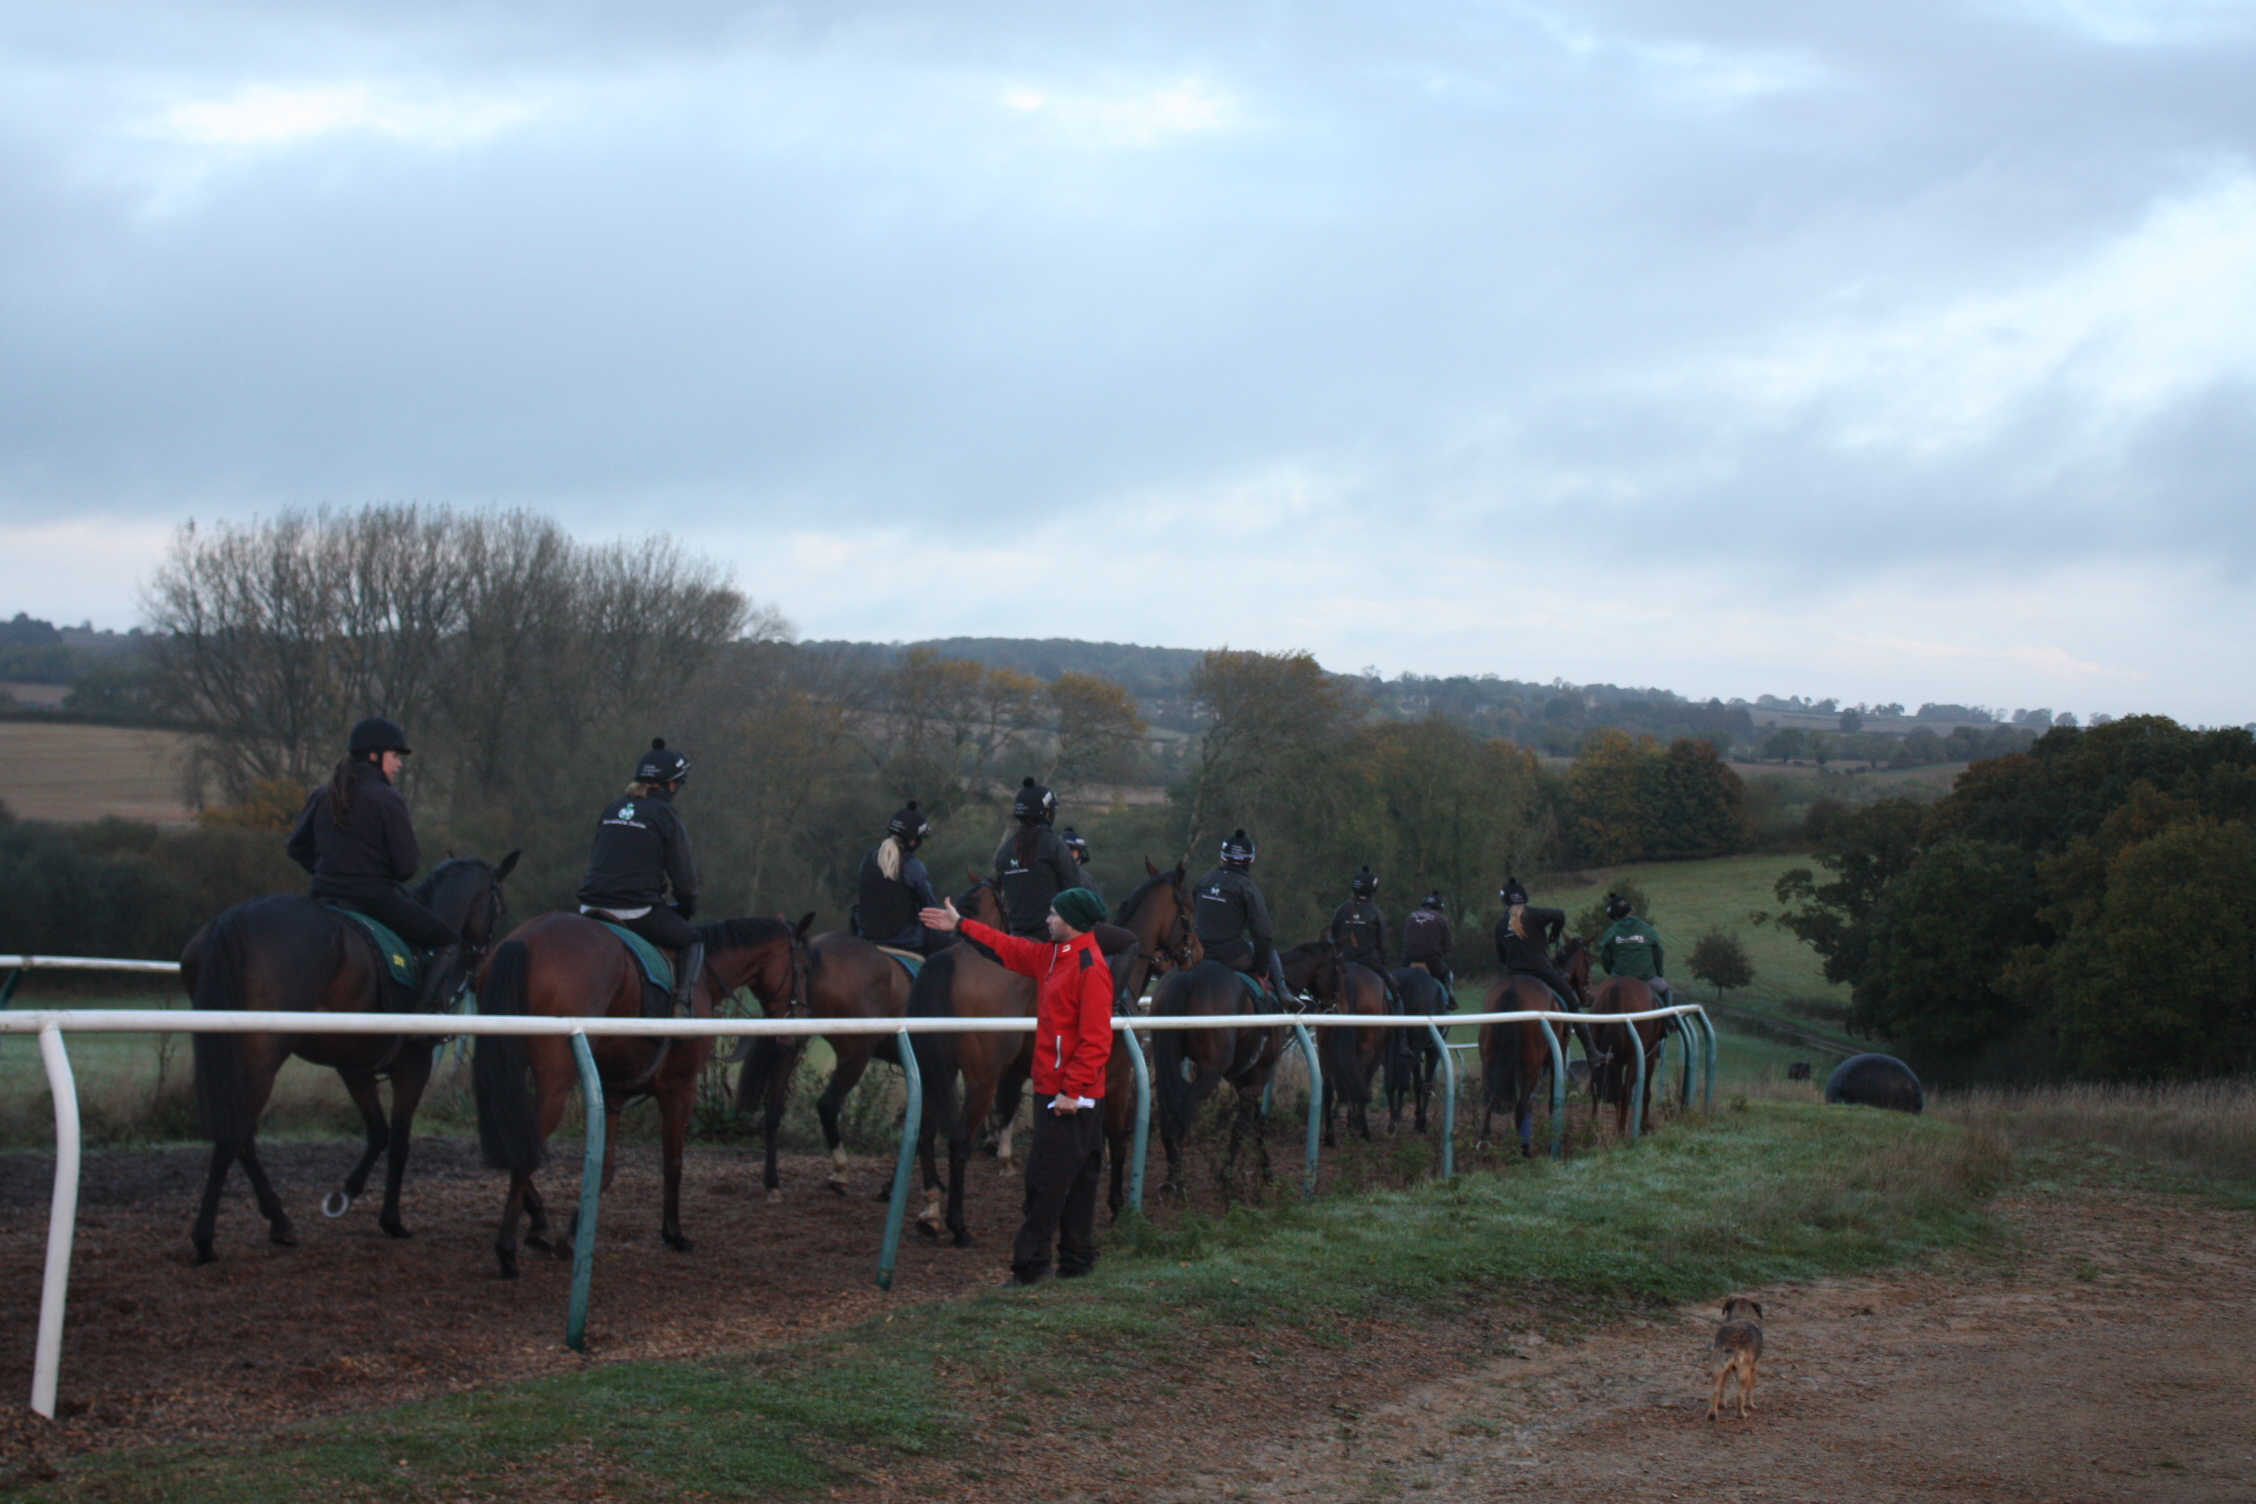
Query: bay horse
x=1352, y=1056
x=1613, y=1078
x=285, y=953
x=569, y=966
x=1244, y=1057
x=847, y=977
x=1412, y=1057
x=1516, y=1056
x=1158, y=917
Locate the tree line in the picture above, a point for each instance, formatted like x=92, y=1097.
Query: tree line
x=2087, y=907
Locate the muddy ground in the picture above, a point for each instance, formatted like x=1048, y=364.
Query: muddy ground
x=2113, y=1356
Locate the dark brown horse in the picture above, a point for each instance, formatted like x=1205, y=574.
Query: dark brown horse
x=1246, y=1058
x=847, y=977
x=1614, y=1078
x=291, y=954
x=1515, y=1057
x=1412, y=1056
x=566, y=966
x=1352, y=1057
x=1158, y=917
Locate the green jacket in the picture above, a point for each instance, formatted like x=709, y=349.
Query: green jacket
x=1631, y=948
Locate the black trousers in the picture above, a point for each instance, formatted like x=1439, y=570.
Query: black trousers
x=408, y=919
x=1063, y=1166
x=663, y=928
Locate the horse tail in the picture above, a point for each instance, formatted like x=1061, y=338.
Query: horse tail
x=1178, y=1099
x=1342, y=1053
x=223, y=1078
x=506, y=1130
x=933, y=995
x=768, y=1055
x=1500, y=1065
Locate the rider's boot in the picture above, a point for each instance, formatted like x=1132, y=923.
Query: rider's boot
x=436, y=983
x=688, y=966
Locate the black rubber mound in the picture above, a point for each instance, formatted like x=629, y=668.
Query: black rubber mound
x=1875, y=1081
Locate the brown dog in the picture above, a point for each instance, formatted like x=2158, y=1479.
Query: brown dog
x=1738, y=1348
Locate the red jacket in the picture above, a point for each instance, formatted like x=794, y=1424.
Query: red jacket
x=1072, y=1014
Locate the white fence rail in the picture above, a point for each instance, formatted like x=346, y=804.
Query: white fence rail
x=51, y=1025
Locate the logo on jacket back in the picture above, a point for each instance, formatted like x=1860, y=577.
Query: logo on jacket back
x=625, y=816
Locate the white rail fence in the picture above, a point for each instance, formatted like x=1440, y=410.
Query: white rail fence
x=51, y=1025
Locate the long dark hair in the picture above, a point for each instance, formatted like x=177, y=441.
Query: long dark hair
x=1028, y=844
x=340, y=789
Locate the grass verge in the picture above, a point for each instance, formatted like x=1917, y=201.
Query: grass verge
x=2195, y=1137
x=1765, y=1190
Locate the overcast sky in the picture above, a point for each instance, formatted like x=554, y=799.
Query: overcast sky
x=1892, y=352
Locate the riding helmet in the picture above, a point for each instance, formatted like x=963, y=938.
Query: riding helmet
x=1512, y=893
x=1432, y=901
x=1617, y=907
x=1034, y=805
x=1075, y=844
x=661, y=764
x=1237, y=849
x=908, y=824
x=1364, y=884
x=377, y=734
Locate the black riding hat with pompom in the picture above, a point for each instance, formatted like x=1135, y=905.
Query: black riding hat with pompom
x=1512, y=893
x=661, y=764
x=908, y=824
x=1035, y=805
x=1365, y=883
x=1237, y=849
x=1617, y=907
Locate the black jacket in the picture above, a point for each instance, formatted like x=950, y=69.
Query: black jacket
x=373, y=852
x=1030, y=887
x=1531, y=957
x=640, y=846
x=1359, y=932
x=1425, y=936
x=889, y=905
x=1232, y=919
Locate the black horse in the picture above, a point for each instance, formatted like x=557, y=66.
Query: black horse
x=284, y=953
x=1412, y=1056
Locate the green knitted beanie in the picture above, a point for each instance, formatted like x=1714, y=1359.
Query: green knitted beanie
x=1079, y=908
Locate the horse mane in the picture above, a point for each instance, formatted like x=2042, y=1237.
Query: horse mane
x=438, y=877
x=1127, y=905
x=741, y=934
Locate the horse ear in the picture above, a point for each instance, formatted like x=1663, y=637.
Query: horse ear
x=805, y=921
x=1179, y=874
x=508, y=865
x=1149, y=869
x=973, y=874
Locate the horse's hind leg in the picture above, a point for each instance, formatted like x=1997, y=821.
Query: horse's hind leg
x=521, y=1194
x=673, y=1120
x=207, y=1214
x=278, y=1228
x=362, y=1089
x=829, y=1105
x=410, y=1076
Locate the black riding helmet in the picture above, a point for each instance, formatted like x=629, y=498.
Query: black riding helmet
x=1512, y=893
x=908, y=824
x=1431, y=901
x=1365, y=883
x=1075, y=844
x=377, y=734
x=661, y=764
x=1237, y=849
x=1617, y=907
x=1034, y=805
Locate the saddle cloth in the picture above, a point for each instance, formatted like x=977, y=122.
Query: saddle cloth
x=655, y=967
x=910, y=961
x=398, y=956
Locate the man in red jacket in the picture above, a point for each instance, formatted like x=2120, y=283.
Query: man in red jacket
x=1072, y=1047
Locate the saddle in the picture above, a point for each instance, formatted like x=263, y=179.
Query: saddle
x=657, y=970
x=396, y=960
x=911, y=962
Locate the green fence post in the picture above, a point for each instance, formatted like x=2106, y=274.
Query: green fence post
x=1637, y=1101
x=1558, y=1090
x=911, y=1121
x=1143, y=1118
x=1315, y=1110
x=591, y=1192
x=8, y=988
x=1448, y=1102
x=1707, y=1027
x=1684, y=1083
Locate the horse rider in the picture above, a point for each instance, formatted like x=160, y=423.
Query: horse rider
x=1426, y=940
x=1359, y=931
x=1072, y=1052
x=1632, y=948
x=356, y=838
x=641, y=849
x=1033, y=866
x=1232, y=918
x=895, y=887
x=1523, y=938
x=1080, y=849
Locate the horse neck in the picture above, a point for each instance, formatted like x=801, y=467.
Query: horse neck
x=748, y=966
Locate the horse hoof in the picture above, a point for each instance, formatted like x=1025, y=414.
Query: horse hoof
x=963, y=1240
x=539, y=1242
x=774, y=1195
x=336, y=1204
x=396, y=1230
x=509, y=1266
x=678, y=1243
x=283, y=1235
x=838, y=1188
x=204, y=1255
x=931, y=1233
